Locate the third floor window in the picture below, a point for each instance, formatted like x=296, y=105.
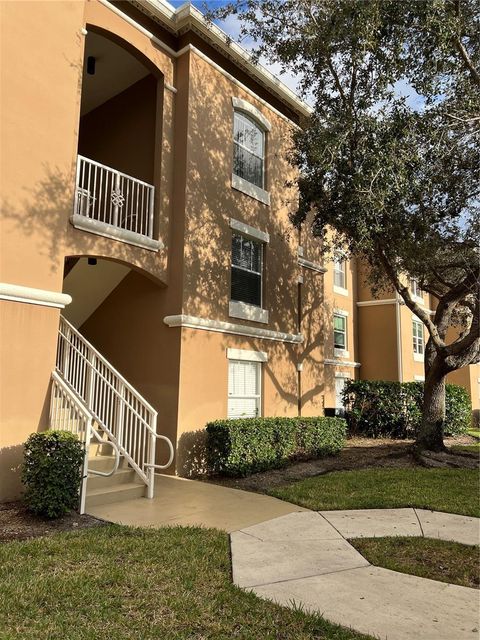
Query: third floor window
x=340, y=271
x=248, y=150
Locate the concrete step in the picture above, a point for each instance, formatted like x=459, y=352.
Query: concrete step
x=122, y=476
x=114, y=493
x=105, y=463
x=98, y=449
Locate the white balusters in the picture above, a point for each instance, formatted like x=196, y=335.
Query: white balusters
x=125, y=416
x=110, y=197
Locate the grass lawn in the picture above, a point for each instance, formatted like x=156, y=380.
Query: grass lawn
x=435, y=559
x=471, y=448
x=116, y=582
x=451, y=490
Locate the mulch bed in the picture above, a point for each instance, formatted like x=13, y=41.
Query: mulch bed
x=359, y=453
x=16, y=523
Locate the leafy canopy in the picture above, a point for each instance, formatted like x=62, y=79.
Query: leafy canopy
x=390, y=157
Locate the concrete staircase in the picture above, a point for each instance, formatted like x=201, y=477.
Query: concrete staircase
x=122, y=485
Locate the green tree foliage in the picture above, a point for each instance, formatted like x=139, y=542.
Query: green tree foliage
x=396, y=178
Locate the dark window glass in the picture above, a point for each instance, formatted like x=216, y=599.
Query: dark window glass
x=246, y=270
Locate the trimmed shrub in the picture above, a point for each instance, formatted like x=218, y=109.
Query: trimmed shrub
x=52, y=472
x=245, y=446
x=380, y=409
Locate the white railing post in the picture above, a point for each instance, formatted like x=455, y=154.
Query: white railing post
x=90, y=374
x=77, y=184
x=66, y=353
x=116, y=207
x=120, y=414
x=151, y=211
x=83, y=487
x=151, y=468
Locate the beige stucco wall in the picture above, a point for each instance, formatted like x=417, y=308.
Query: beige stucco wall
x=27, y=355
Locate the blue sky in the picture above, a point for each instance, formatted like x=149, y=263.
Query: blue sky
x=232, y=28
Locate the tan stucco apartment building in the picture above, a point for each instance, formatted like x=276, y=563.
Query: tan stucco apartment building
x=146, y=249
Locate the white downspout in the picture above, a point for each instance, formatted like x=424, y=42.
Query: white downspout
x=399, y=337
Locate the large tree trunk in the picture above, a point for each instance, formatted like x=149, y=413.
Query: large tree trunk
x=430, y=435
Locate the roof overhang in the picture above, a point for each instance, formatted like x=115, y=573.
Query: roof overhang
x=189, y=18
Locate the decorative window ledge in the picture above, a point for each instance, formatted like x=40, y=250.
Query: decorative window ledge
x=419, y=357
x=246, y=354
x=341, y=353
x=419, y=378
x=340, y=290
x=250, y=232
x=219, y=326
x=250, y=189
x=342, y=363
x=115, y=233
x=341, y=312
x=313, y=266
x=247, y=312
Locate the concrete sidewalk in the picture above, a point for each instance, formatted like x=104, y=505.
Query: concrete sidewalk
x=304, y=558
x=179, y=501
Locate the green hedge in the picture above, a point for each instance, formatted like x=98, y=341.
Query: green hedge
x=377, y=408
x=52, y=472
x=241, y=447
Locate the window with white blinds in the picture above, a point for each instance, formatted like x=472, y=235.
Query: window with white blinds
x=246, y=270
x=340, y=383
x=244, y=389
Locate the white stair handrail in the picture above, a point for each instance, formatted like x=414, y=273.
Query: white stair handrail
x=75, y=418
x=125, y=416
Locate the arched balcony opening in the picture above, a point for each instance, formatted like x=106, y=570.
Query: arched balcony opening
x=120, y=127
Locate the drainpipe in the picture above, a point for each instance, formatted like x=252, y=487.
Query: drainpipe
x=399, y=337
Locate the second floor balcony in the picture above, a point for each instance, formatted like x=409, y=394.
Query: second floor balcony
x=113, y=204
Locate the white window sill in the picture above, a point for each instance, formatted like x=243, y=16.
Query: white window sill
x=250, y=189
x=340, y=290
x=419, y=357
x=341, y=353
x=114, y=233
x=247, y=312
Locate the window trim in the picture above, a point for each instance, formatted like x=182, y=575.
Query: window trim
x=258, y=397
x=339, y=375
x=252, y=111
x=417, y=355
x=414, y=289
x=337, y=288
x=239, y=308
x=339, y=351
x=239, y=183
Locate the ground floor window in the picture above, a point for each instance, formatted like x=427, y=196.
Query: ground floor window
x=340, y=382
x=244, y=389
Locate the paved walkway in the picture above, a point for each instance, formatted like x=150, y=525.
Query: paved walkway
x=179, y=501
x=305, y=558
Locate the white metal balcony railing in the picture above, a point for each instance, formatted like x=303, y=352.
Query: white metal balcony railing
x=114, y=204
x=126, y=418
